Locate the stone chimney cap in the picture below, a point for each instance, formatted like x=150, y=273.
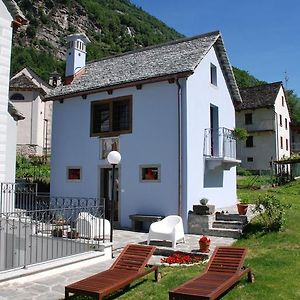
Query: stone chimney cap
x=78, y=36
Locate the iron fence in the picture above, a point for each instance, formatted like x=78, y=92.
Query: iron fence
x=36, y=228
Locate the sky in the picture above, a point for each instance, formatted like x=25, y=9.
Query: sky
x=260, y=36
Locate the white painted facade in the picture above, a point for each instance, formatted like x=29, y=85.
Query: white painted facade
x=35, y=129
x=153, y=141
x=7, y=164
x=271, y=140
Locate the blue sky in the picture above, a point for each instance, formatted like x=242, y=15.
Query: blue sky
x=261, y=36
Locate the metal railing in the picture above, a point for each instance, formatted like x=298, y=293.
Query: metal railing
x=219, y=143
x=47, y=228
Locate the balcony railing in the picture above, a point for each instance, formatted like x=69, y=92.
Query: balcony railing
x=220, y=148
x=295, y=147
x=262, y=125
x=220, y=143
x=37, y=228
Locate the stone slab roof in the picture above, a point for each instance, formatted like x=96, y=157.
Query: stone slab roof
x=14, y=112
x=22, y=82
x=14, y=10
x=259, y=96
x=174, y=59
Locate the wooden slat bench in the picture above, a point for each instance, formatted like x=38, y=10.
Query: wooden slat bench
x=137, y=220
x=129, y=266
x=224, y=269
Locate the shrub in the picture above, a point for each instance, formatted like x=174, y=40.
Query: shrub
x=242, y=171
x=271, y=212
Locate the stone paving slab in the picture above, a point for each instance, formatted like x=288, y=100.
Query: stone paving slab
x=52, y=287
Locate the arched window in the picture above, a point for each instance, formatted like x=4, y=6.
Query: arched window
x=17, y=96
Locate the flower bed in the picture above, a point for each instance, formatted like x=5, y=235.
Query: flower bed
x=181, y=258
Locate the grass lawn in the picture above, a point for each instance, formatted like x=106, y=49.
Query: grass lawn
x=274, y=258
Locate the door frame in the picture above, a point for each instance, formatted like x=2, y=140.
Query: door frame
x=99, y=179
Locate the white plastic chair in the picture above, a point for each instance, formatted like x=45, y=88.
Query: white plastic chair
x=168, y=229
x=90, y=226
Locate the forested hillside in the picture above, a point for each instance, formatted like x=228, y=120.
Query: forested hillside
x=113, y=26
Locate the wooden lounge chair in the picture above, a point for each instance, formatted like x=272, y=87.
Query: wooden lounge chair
x=129, y=266
x=225, y=268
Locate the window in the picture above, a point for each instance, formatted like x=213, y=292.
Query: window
x=280, y=120
x=150, y=173
x=248, y=119
x=111, y=117
x=249, y=141
x=73, y=173
x=287, y=145
x=286, y=123
x=281, y=142
x=282, y=100
x=249, y=159
x=17, y=96
x=213, y=74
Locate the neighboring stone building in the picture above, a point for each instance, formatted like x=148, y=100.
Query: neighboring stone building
x=168, y=109
x=27, y=91
x=264, y=113
x=10, y=18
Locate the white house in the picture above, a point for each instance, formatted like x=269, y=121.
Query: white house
x=27, y=90
x=264, y=113
x=10, y=18
x=168, y=110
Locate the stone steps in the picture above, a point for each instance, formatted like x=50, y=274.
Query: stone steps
x=231, y=217
x=221, y=232
x=228, y=224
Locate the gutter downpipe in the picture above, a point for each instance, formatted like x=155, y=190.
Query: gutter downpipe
x=179, y=116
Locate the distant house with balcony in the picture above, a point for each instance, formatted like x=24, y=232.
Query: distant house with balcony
x=295, y=137
x=264, y=113
x=168, y=110
x=26, y=92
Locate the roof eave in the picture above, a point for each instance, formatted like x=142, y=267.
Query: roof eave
x=119, y=86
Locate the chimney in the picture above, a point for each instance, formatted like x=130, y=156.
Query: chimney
x=55, y=79
x=76, y=55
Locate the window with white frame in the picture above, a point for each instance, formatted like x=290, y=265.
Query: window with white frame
x=73, y=174
x=150, y=173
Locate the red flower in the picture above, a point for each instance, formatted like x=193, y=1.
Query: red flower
x=181, y=258
x=205, y=239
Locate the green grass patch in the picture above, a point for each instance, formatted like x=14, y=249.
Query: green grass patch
x=274, y=258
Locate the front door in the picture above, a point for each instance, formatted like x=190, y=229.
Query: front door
x=105, y=192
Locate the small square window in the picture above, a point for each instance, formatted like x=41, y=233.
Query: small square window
x=249, y=141
x=73, y=174
x=213, y=74
x=150, y=173
x=249, y=159
x=248, y=119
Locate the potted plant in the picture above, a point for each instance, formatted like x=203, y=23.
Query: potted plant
x=73, y=234
x=242, y=207
x=204, y=243
x=240, y=134
x=57, y=232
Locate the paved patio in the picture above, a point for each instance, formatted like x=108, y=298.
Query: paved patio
x=52, y=287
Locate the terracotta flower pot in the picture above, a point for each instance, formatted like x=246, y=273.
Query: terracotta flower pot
x=204, y=244
x=242, y=208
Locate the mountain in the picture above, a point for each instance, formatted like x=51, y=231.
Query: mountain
x=113, y=26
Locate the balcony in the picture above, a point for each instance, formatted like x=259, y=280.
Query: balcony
x=220, y=148
x=295, y=147
x=262, y=125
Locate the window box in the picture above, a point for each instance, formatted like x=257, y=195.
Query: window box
x=73, y=174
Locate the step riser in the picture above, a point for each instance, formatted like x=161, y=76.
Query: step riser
x=231, y=217
x=228, y=226
x=235, y=234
